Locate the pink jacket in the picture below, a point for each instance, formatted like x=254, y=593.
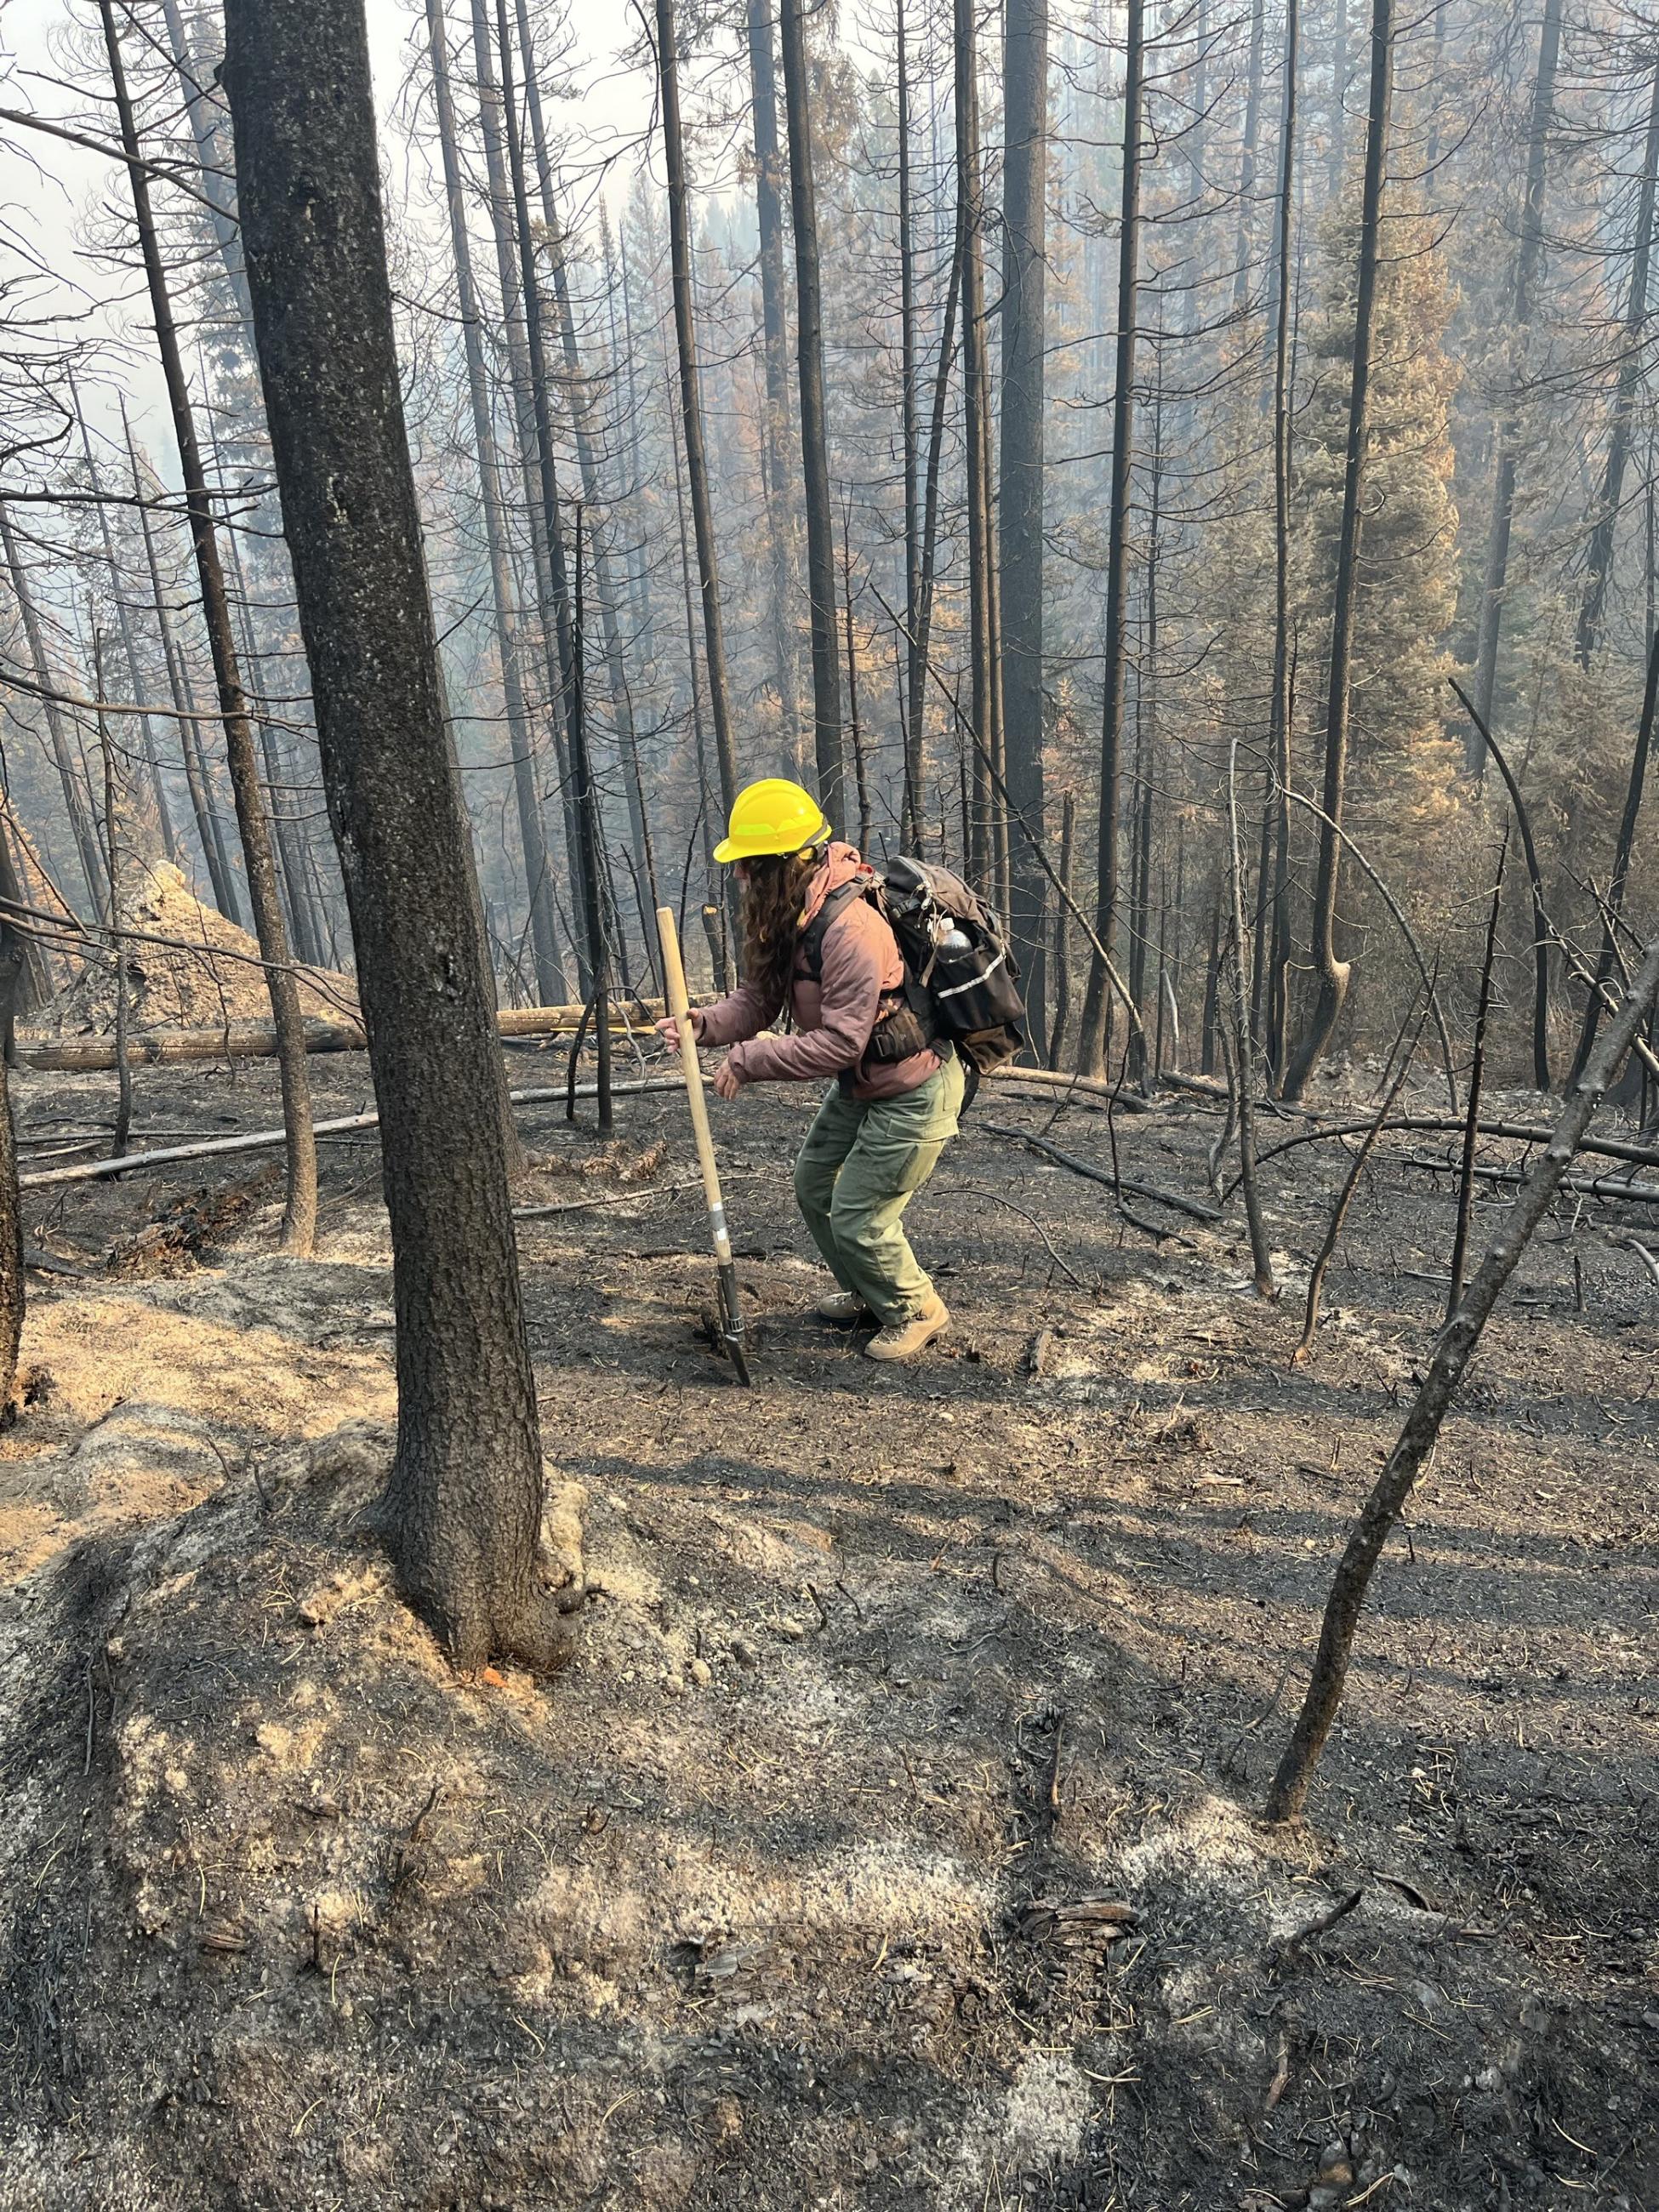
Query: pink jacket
x=831, y=1019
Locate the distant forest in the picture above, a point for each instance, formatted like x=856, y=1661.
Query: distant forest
x=1192, y=467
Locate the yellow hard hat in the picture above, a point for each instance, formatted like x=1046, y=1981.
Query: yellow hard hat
x=773, y=816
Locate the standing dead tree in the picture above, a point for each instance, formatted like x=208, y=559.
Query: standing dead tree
x=1276, y=838
x=300, y=1217
x=75, y=799
x=691, y=422
x=1528, y=255
x=776, y=446
x=465, y=1495
x=1091, y=1047
x=1614, y=905
x=13, y=953
x=1334, y=973
x=1452, y=1354
x=1244, y=1050
x=987, y=831
x=532, y=837
x=1621, y=430
x=209, y=829
x=814, y=435
x=1020, y=508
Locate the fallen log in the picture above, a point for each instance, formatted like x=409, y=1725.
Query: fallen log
x=258, y=1040
x=1639, y=1193
x=1522, y=1133
x=259, y=1140
x=1085, y=1088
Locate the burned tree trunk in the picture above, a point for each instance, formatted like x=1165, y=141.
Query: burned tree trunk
x=1020, y=515
x=776, y=445
x=690, y=381
x=916, y=673
x=1614, y=905
x=584, y=849
x=588, y=437
x=129, y=650
x=1598, y=566
x=814, y=434
x=1276, y=932
x=12, y=951
x=74, y=796
x=466, y=1487
x=928, y=570
x=1091, y=1050
x=985, y=672
x=532, y=835
x=197, y=782
x=299, y=1220
x=1527, y=257
x=1333, y=986
x=552, y=599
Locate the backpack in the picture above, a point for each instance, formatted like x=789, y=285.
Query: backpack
x=961, y=982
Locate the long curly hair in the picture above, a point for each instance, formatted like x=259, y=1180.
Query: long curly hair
x=772, y=900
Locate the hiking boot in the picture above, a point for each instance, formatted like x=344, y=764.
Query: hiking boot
x=842, y=1309
x=903, y=1340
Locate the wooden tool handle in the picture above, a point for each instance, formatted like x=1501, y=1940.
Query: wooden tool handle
x=679, y=1005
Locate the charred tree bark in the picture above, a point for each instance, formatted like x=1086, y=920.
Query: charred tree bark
x=984, y=667
x=123, y=1129
x=300, y=1219
x=198, y=782
x=814, y=430
x=777, y=446
x=129, y=650
x=588, y=463
x=1091, y=1052
x=217, y=189
x=1020, y=513
x=11, y=1205
x=1246, y=158
x=703, y=827
x=1528, y=257
x=1278, y=931
x=1333, y=987
x=552, y=598
x=75, y=798
x=584, y=857
x=1062, y=923
x=291, y=873
x=854, y=731
x=691, y=382
x=33, y=983
x=1244, y=1040
x=1598, y=566
x=1417, y=1437
x=539, y=882
x=588, y=799
x=915, y=663
x=920, y=636
x=465, y=1496
x=1607, y=959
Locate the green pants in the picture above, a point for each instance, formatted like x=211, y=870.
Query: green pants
x=863, y=1161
